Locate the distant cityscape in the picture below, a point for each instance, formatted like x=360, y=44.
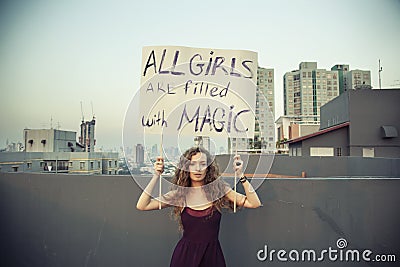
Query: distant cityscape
x=317, y=103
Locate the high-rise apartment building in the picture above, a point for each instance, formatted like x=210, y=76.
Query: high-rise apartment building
x=264, y=137
x=87, y=135
x=352, y=79
x=308, y=88
x=203, y=141
x=359, y=79
x=343, y=71
x=265, y=110
x=139, y=154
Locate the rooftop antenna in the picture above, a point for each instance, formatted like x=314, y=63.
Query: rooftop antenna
x=51, y=122
x=83, y=118
x=380, y=70
x=91, y=103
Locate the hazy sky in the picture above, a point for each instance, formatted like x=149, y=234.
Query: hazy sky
x=55, y=54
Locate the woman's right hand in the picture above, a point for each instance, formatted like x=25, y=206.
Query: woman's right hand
x=238, y=165
x=159, y=166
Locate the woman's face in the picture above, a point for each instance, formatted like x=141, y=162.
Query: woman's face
x=198, y=168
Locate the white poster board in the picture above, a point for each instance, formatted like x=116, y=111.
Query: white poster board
x=198, y=91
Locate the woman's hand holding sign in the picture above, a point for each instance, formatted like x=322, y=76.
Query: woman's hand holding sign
x=159, y=166
x=238, y=165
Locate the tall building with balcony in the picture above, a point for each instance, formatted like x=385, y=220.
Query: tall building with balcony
x=264, y=133
x=308, y=88
x=305, y=91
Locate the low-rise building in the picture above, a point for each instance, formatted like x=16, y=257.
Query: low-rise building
x=56, y=151
x=50, y=140
x=291, y=127
x=362, y=122
x=60, y=162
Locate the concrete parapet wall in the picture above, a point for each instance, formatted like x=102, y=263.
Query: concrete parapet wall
x=77, y=220
x=290, y=166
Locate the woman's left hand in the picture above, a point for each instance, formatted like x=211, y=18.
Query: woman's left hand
x=238, y=165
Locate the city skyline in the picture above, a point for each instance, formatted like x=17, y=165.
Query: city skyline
x=56, y=54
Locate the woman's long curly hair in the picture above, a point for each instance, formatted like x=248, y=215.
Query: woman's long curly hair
x=215, y=192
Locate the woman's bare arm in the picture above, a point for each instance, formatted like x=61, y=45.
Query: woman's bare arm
x=250, y=200
x=145, y=201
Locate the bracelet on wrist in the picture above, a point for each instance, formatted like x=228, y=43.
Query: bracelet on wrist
x=243, y=179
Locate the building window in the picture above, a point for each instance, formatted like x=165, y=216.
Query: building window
x=62, y=165
x=339, y=151
x=368, y=152
x=109, y=163
x=82, y=165
x=29, y=165
x=321, y=151
x=98, y=164
x=15, y=168
x=115, y=163
x=91, y=165
x=70, y=164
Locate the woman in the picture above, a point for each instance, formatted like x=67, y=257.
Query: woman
x=198, y=199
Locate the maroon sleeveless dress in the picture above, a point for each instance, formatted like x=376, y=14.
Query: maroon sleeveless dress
x=199, y=245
